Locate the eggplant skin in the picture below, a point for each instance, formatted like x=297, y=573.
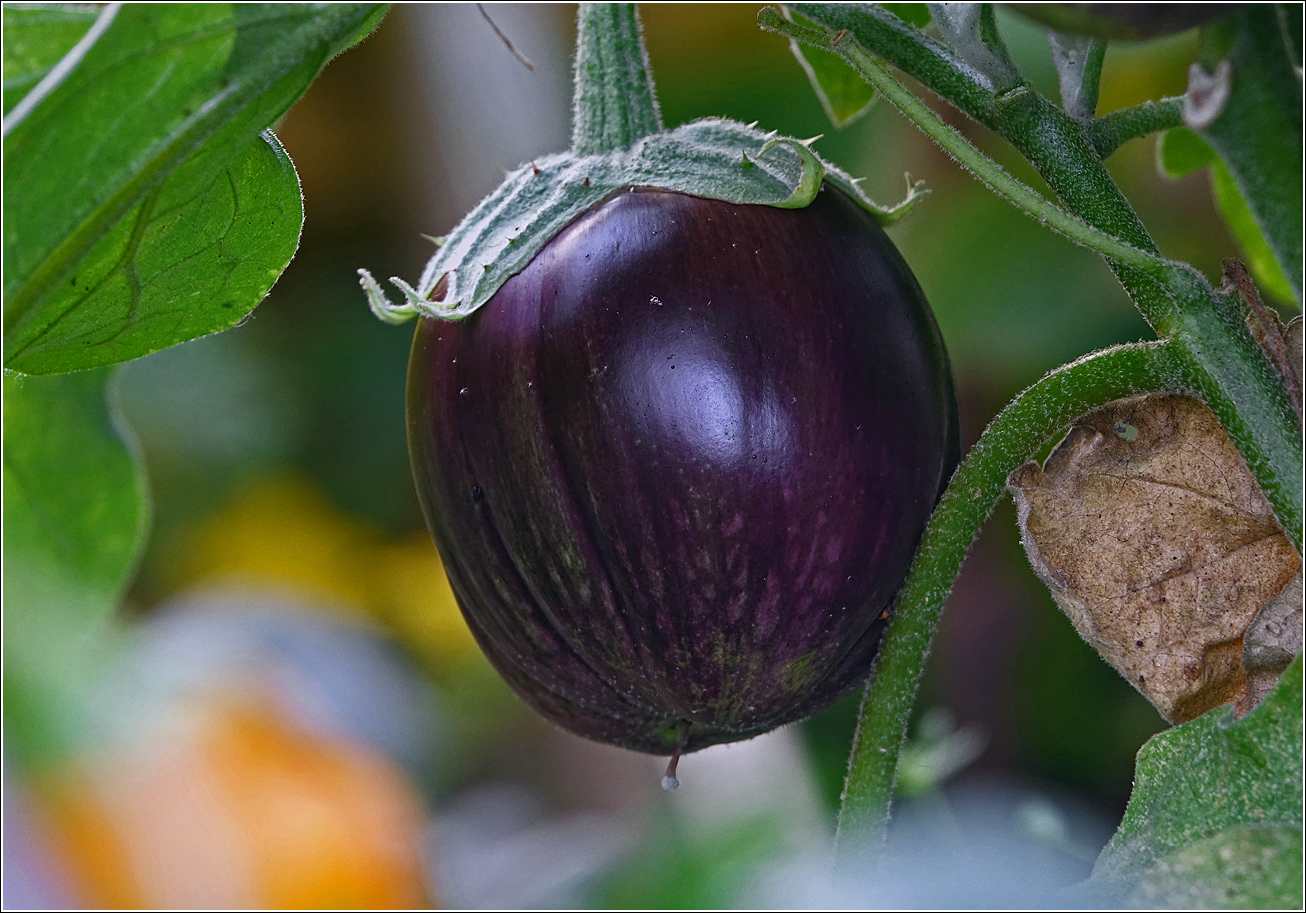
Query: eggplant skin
x=677, y=467
x=1123, y=21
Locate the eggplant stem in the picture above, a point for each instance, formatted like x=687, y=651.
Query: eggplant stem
x=669, y=780
x=614, y=103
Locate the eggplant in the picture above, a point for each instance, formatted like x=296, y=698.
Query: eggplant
x=677, y=467
x=1123, y=21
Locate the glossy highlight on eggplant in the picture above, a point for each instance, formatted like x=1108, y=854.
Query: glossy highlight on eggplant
x=677, y=467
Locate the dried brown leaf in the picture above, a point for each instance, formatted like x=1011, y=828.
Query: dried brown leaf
x=1272, y=640
x=1152, y=535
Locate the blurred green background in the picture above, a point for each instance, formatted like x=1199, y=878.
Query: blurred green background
x=277, y=457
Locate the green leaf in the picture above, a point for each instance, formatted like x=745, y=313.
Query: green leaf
x=1242, y=867
x=842, y=91
x=1199, y=788
x=167, y=105
x=75, y=514
x=35, y=38
x=1259, y=134
x=1179, y=153
x=192, y=258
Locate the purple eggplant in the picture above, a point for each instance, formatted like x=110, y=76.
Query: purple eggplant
x=677, y=467
x=1123, y=21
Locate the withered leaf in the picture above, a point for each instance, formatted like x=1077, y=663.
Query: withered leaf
x=1152, y=535
x=1272, y=640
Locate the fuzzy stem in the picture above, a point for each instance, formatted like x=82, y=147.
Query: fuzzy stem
x=614, y=103
x=970, y=29
x=990, y=172
x=1227, y=368
x=1110, y=131
x=1012, y=438
x=1211, y=352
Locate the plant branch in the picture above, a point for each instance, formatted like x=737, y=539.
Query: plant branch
x=1241, y=386
x=614, y=103
x=1228, y=369
x=507, y=42
x=931, y=62
x=1012, y=438
x=1111, y=131
x=970, y=29
x=1210, y=351
x=990, y=172
x=1056, y=144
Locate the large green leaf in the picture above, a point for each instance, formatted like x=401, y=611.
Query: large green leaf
x=1219, y=799
x=1259, y=133
x=142, y=177
x=192, y=258
x=35, y=38
x=1239, y=868
x=75, y=514
x=1180, y=152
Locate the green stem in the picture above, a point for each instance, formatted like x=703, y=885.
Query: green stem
x=1228, y=370
x=990, y=172
x=614, y=103
x=1214, y=355
x=929, y=61
x=1059, y=148
x=1056, y=144
x=972, y=32
x=1244, y=391
x=1227, y=367
x=1110, y=131
x=1011, y=439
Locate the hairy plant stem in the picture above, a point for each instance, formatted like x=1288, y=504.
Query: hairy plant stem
x=1012, y=438
x=614, y=102
x=1208, y=349
x=1111, y=131
x=1146, y=261
x=1227, y=367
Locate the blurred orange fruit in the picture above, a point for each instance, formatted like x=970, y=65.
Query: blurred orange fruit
x=236, y=807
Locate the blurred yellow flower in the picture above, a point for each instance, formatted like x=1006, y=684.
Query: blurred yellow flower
x=284, y=533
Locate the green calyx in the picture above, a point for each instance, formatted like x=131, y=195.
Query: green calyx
x=618, y=143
